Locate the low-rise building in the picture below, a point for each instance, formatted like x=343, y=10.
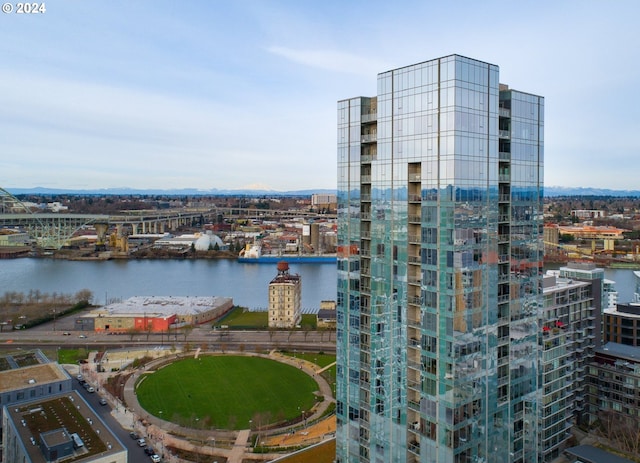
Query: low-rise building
x=155, y=313
x=58, y=428
x=326, y=317
x=29, y=375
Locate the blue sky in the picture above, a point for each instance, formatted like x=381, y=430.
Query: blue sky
x=238, y=94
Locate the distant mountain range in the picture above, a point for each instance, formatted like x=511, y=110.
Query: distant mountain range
x=549, y=191
x=168, y=192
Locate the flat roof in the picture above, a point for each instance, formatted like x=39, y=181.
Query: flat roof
x=591, y=454
x=621, y=350
x=19, y=378
x=68, y=411
x=164, y=305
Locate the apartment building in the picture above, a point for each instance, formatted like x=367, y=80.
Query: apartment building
x=440, y=209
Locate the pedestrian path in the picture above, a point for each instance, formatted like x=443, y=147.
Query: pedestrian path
x=234, y=446
x=239, y=447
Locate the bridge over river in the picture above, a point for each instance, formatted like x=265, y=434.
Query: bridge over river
x=52, y=230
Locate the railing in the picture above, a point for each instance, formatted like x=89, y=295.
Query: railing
x=369, y=117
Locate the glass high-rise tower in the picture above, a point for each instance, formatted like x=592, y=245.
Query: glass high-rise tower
x=439, y=267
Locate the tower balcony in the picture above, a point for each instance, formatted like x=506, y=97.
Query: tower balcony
x=369, y=117
x=369, y=137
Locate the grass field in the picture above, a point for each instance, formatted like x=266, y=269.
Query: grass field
x=71, y=355
x=240, y=317
x=225, y=392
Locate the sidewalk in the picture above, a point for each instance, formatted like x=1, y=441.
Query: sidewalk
x=163, y=433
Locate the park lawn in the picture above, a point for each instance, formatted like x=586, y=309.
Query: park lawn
x=241, y=317
x=322, y=360
x=226, y=392
x=69, y=356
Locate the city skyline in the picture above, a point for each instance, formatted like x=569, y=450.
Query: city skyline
x=239, y=95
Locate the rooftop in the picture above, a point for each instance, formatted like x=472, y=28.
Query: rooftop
x=20, y=378
x=66, y=413
x=163, y=305
x=621, y=350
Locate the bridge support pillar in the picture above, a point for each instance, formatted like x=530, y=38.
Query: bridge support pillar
x=101, y=231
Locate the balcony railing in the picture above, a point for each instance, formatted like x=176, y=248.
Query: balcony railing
x=369, y=117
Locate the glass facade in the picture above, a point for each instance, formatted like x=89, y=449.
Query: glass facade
x=439, y=267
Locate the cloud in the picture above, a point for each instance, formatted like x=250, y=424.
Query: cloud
x=331, y=60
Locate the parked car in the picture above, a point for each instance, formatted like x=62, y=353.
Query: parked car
x=149, y=450
x=142, y=442
x=155, y=458
x=134, y=435
x=103, y=401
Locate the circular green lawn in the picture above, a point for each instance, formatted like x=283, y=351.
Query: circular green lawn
x=226, y=392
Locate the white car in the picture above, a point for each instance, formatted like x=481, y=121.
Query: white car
x=154, y=458
x=142, y=442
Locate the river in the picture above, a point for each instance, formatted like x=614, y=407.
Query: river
x=247, y=284
x=111, y=280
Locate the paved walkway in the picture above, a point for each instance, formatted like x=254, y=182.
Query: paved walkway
x=232, y=445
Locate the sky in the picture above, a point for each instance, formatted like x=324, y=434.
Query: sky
x=237, y=94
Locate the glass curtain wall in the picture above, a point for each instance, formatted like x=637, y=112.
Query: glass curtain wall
x=437, y=290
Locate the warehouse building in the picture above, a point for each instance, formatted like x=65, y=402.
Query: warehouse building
x=155, y=314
